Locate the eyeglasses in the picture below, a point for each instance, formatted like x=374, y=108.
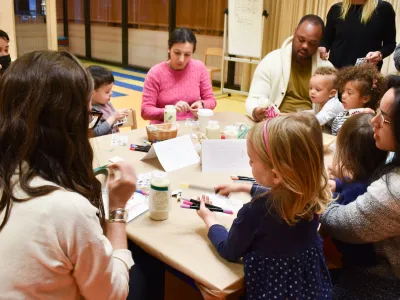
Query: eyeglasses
x=381, y=118
x=94, y=118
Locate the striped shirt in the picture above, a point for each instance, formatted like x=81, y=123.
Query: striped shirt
x=342, y=117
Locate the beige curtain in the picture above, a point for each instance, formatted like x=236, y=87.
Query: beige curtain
x=283, y=19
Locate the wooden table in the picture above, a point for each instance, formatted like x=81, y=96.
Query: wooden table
x=181, y=240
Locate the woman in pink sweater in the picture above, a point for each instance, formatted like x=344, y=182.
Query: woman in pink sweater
x=181, y=81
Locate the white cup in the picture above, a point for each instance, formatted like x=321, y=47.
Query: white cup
x=204, y=115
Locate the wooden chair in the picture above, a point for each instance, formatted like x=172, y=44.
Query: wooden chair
x=132, y=121
x=213, y=52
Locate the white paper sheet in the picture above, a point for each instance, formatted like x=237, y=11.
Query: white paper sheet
x=136, y=205
x=225, y=156
x=175, y=153
x=119, y=140
x=226, y=203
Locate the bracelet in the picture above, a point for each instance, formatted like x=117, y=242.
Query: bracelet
x=118, y=215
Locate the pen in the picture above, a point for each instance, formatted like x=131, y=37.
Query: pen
x=226, y=211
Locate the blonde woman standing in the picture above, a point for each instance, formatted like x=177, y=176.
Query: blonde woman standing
x=359, y=29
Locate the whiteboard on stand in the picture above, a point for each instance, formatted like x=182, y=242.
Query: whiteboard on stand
x=245, y=27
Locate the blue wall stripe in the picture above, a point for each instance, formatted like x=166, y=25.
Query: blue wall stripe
x=117, y=94
x=122, y=75
x=128, y=86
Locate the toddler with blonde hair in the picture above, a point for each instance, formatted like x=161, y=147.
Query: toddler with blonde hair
x=276, y=233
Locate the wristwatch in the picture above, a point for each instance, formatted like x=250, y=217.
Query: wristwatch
x=118, y=215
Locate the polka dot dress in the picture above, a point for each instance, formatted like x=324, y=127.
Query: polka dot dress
x=300, y=277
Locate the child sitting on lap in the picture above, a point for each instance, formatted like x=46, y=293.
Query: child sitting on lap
x=355, y=161
x=103, y=84
x=323, y=92
x=362, y=87
x=276, y=233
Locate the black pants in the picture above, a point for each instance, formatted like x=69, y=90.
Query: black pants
x=147, y=276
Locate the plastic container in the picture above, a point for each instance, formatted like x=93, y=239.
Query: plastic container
x=231, y=132
x=213, y=130
x=204, y=116
x=169, y=114
x=160, y=196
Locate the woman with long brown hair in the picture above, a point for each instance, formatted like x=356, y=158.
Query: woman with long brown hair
x=51, y=210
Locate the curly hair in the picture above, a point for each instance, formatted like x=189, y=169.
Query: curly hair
x=328, y=71
x=370, y=82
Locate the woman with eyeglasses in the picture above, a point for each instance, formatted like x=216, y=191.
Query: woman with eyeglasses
x=375, y=216
x=54, y=240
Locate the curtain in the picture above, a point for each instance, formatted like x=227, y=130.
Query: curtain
x=283, y=18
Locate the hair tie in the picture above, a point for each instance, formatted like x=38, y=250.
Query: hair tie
x=374, y=81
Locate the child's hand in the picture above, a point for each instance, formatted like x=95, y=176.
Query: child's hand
x=226, y=189
x=207, y=216
x=332, y=185
x=120, y=114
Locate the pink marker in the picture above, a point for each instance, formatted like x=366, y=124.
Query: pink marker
x=225, y=211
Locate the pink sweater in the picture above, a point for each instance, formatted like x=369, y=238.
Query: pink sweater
x=164, y=86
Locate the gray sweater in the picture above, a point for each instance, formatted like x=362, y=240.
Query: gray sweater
x=372, y=218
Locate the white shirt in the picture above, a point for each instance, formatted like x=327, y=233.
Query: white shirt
x=53, y=247
x=329, y=111
x=271, y=77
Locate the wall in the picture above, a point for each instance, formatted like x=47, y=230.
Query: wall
x=106, y=42
x=76, y=34
x=30, y=36
x=7, y=24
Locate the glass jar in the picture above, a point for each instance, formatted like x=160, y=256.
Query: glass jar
x=231, y=132
x=213, y=130
x=169, y=114
x=160, y=196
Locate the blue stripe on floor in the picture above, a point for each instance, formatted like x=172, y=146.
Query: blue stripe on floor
x=122, y=75
x=137, y=71
x=128, y=86
x=117, y=94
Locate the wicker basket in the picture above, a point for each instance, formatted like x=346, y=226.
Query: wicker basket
x=164, y=132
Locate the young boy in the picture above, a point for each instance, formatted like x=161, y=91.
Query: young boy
x=103, y=84
x=323, y=92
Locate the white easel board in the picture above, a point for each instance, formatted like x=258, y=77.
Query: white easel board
x=245, y=27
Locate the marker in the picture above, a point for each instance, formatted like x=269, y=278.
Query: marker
x=134, y=147
x=244, y=178
x=196, y=202
x=225, y=211
x=144, y=193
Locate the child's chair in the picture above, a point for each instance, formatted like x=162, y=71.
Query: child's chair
x=213, y=52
